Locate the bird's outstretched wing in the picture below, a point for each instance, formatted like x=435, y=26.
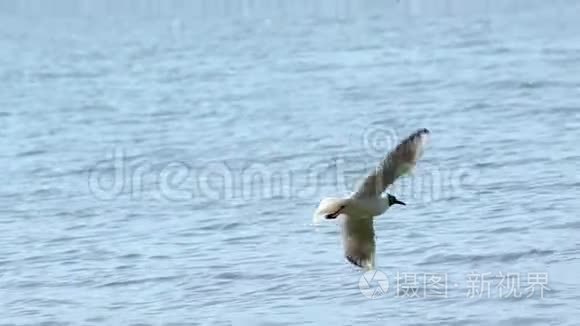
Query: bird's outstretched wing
x=358, y=236
x=399, y=161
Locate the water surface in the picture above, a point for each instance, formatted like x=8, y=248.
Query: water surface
x=227, y=125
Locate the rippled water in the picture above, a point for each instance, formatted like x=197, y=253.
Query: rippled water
x=163, y=168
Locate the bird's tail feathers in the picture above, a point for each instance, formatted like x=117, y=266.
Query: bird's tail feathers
x=326, y=206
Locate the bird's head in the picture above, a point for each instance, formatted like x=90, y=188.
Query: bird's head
x=392, y=200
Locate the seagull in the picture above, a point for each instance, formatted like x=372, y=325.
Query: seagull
x=359, y=209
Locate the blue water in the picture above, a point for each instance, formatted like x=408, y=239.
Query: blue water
x=161, y=162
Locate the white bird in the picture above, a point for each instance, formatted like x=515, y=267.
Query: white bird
x=359, y=209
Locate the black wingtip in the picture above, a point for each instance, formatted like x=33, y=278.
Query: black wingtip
x=414, y=136
x=353, y=261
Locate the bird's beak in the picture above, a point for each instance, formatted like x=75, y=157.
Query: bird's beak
x=399, y=202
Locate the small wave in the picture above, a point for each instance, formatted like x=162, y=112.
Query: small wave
x=31, y=153
x=564, y=226
x=510, y=229
x=508, y=257
x=131, y=256
x=140, y=281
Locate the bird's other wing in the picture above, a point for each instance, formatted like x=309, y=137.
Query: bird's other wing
x=399, y=161
x=358, y=236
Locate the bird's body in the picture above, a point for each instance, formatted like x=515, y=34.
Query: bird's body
x=359, y=209
x=357, y=206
